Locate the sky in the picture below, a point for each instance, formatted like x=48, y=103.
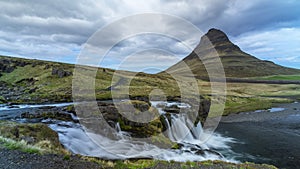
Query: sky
x=58, y=30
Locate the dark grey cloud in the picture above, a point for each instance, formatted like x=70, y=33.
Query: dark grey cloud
x=58, y=29
x=243, y=16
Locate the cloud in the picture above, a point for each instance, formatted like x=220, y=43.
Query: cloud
x=280, y=46
x=58, y=29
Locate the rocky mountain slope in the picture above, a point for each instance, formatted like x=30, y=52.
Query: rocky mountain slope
x=236, y=63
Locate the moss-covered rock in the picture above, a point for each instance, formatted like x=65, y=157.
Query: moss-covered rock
x=33, y=134
x=133, y=109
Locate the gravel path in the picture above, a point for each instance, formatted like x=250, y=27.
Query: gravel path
x=13, y=159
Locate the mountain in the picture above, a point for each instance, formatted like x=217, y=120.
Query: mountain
x=237, y=64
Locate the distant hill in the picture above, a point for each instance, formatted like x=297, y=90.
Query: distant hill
x=236, y=63
x=37, y=81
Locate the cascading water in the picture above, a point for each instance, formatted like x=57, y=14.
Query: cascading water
x=194, y=143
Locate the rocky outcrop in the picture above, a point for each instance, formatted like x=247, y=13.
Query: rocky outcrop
x=34, y=134
x=61, y=72
x=136, y=129
x=9, y=65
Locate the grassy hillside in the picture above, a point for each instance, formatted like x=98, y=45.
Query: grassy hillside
x=37, y=81
x=33, y=81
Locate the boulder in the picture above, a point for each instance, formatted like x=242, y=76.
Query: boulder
x=60, y=72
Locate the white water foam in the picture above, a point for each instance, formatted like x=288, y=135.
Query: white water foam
x=197, y=145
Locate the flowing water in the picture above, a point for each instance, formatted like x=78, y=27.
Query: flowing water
x=266, y=136
x=195, y=143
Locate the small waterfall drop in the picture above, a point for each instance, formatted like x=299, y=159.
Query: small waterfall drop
x=194, y=144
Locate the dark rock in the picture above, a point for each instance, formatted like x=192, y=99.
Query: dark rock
x=27, y=82
x=47, y=66
x=214, y=152
x=177, y=146
x=60, y=72
x=32, y=90
x=172, y=109
x=200, y=152
x=20, y=63
x=15, y=132
x=140, y=98
x=51, y=114
x=46, y=107
x=13, y=106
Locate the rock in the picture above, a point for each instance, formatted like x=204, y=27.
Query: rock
x=26, y=82
x=172, y=109
x=13, y=106
x=32, y=90
x=60, y=72
x=136, y=129
x=15, y=132
x=47, y=66
x=200, y=152
x=58, y=115
x=214, y=152
x=27, y=139
x=20, y=63
x=139, y=98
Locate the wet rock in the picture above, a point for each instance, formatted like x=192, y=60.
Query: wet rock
x=172, y=109
x=49, y=115
x=13, y=106
x=214, y=152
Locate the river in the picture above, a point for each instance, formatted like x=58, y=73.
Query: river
x=269, y=136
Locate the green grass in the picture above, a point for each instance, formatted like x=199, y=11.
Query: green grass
x=280, y=77
x=20, y=145
x=51, y=88
x=239, y=104
x=2, y=100
x=44, y=137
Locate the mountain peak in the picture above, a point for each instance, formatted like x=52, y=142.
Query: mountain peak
x=216, y=36
x=219, y=40
x=236, y=63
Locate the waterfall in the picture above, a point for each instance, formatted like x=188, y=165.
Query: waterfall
x=183, y=130
x=194, y=145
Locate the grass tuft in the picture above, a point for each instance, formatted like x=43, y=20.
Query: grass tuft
x=20, y=145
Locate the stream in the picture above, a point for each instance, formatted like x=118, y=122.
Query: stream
x=266, y=136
